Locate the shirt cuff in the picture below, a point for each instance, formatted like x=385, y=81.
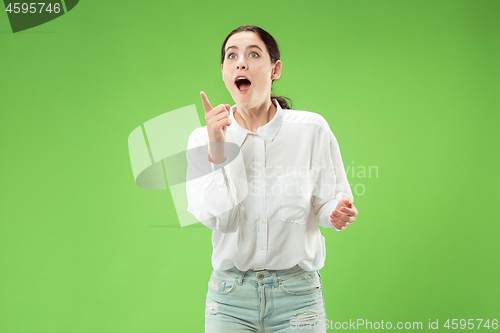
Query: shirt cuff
x=325, y=212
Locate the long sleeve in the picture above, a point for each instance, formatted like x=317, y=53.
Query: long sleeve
x=331, y=181
x=214, y=191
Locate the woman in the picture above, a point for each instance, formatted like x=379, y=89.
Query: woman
x=267, y=247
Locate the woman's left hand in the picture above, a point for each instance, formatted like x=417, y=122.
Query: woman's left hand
x=344, y=214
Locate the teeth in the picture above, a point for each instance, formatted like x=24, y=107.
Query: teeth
x=240, y=78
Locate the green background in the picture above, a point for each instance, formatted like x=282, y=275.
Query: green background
x=408, y=87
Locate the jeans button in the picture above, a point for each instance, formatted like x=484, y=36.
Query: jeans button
x=261, y=276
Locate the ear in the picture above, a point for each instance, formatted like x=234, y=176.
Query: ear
x=277, y=70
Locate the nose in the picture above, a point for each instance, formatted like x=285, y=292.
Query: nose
x=241, y=64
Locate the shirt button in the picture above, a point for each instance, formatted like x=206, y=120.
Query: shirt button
x=262, y=248
x=259, y=164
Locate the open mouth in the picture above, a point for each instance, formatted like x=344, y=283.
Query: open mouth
x=243, y=83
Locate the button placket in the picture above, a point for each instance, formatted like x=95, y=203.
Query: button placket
x=261, y=201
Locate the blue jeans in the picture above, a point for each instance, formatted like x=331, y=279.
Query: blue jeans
x=289, y=300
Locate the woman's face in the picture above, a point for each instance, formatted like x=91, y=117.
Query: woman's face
x=247, y=55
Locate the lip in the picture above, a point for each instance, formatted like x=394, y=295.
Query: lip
x=242, y=91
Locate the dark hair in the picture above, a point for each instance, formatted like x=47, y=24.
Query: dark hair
x=272, y=48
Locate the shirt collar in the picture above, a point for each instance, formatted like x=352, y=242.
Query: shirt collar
x=269, y=130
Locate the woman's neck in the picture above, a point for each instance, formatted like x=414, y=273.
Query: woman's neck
x=252, y=119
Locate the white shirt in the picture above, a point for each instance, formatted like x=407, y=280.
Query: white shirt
x=264, y=203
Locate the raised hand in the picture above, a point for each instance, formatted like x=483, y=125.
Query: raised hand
x=217, y=120
x=344, y=214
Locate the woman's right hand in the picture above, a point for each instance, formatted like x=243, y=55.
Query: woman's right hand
x=217, y=120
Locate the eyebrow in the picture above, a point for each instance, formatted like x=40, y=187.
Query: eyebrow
x=248, y=47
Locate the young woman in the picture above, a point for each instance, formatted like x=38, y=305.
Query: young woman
x=267, y=247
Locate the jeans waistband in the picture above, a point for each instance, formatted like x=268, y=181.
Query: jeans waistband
x=261, y=276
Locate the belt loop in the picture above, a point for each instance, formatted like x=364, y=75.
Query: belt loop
x=275, y=278
x=240, y=278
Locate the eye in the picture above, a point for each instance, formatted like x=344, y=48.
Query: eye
x=231, y=56
x=257, y=55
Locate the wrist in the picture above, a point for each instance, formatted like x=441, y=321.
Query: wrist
x=222, y=159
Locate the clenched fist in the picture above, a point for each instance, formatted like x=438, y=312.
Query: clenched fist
x=344, y=214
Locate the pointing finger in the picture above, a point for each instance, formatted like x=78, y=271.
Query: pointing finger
x=206, y=104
